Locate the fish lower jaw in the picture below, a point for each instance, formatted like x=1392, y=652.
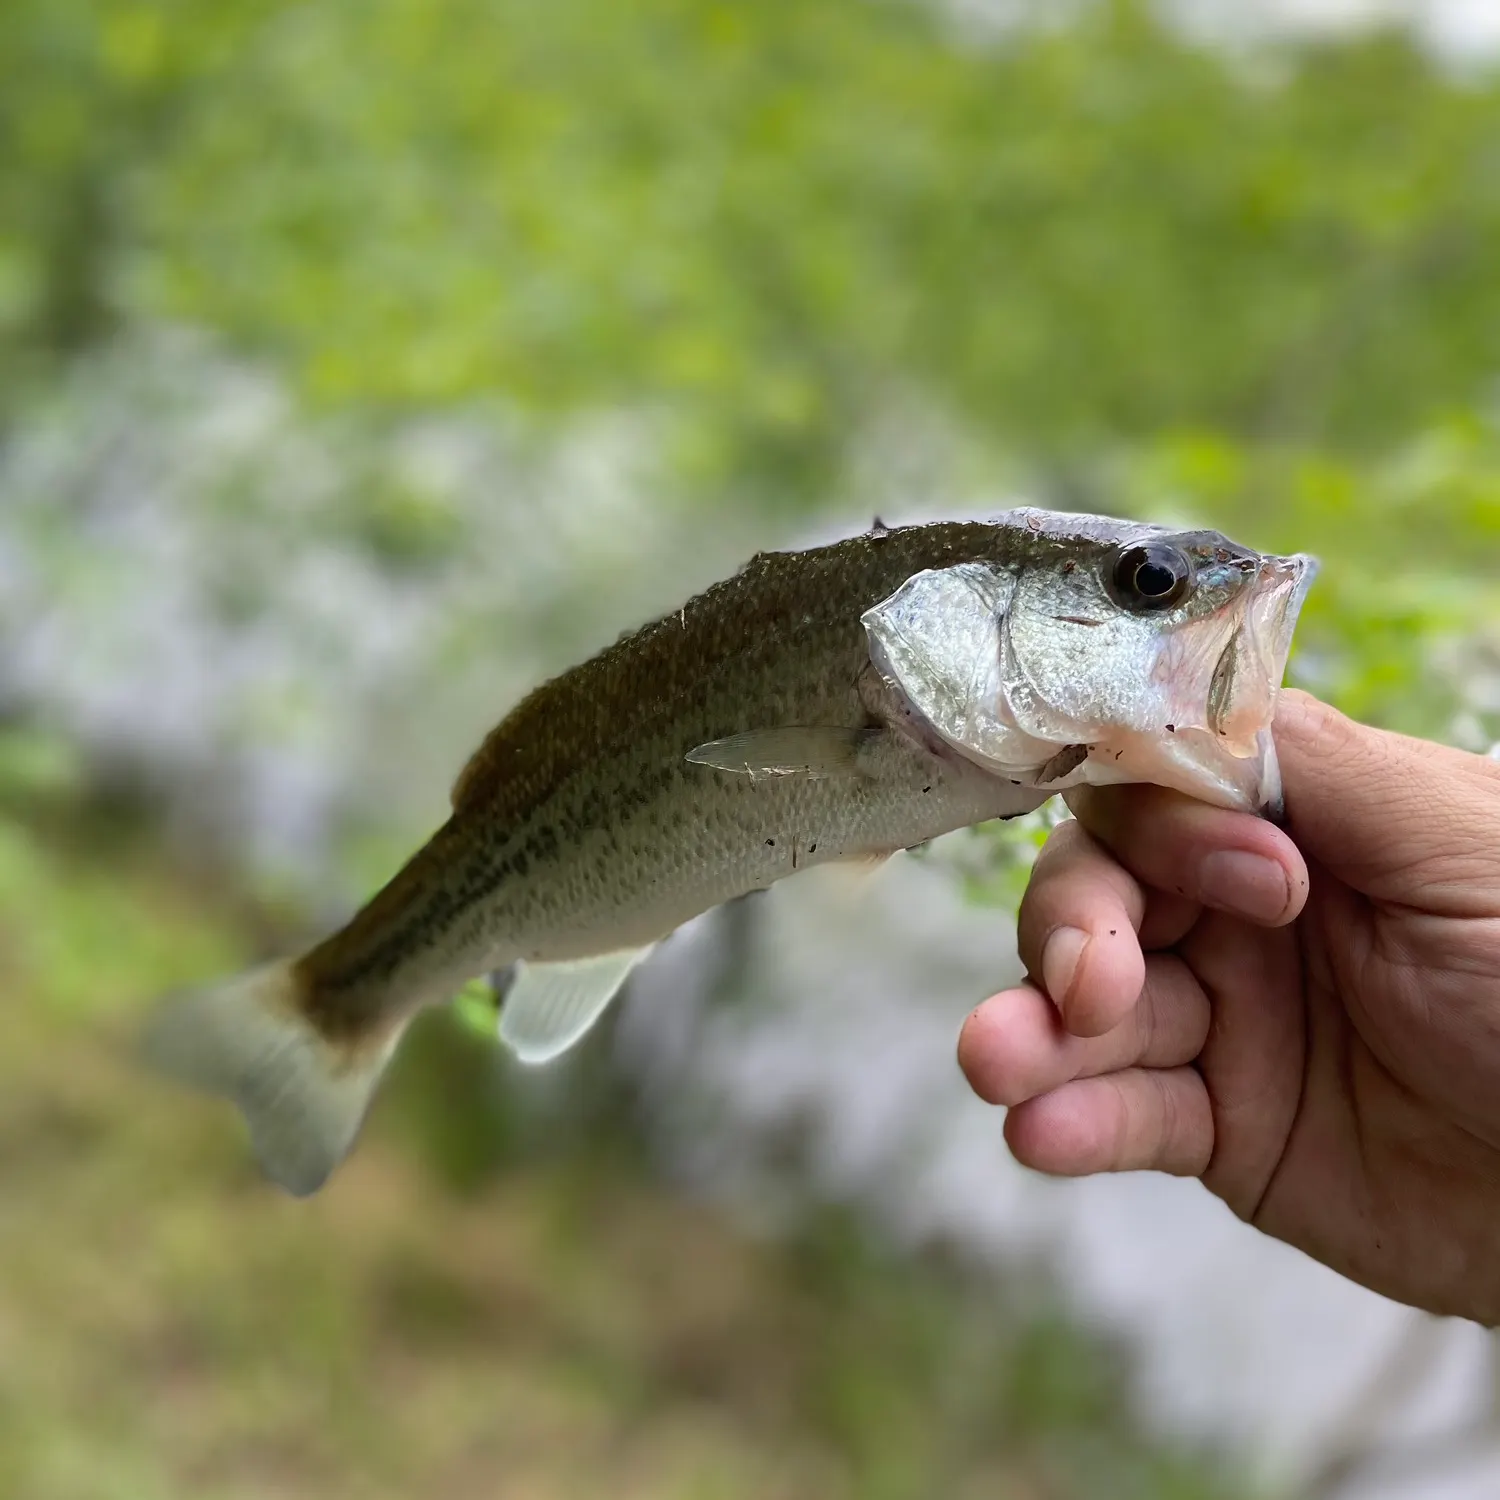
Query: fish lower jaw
x=1197, y=762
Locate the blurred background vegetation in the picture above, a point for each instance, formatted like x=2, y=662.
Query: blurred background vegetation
x=361, y=363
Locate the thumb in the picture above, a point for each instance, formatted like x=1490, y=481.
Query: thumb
x=1400, y=819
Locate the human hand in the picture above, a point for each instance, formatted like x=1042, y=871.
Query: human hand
x=1306, y=1018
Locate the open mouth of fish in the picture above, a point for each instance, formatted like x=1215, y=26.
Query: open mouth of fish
x=1229, y=756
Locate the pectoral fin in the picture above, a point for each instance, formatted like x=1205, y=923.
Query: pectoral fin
x=803, y=750
x=548, y=1007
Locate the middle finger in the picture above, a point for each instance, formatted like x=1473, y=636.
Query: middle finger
x=1079, y=930
x=1015, y=1047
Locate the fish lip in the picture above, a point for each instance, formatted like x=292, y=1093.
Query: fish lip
x=1239, y=753
x=1256, y=653
x=1280, y=590
x=1276, y=596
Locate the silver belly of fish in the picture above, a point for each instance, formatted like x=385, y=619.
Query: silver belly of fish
x=707, y=835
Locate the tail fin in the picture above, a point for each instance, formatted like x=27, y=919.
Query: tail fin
x=303, y=1097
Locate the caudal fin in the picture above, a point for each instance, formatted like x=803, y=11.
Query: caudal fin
x=303, y=1097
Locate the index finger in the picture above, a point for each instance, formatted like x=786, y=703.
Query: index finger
x=1230, y=861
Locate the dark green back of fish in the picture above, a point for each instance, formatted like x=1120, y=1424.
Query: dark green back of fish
x=780, y=605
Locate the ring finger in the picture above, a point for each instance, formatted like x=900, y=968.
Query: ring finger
x=1015, y=1046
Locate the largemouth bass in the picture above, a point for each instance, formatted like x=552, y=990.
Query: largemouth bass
x=839, y=703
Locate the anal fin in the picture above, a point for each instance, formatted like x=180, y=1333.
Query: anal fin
x=550, y=1006
x=860, y=865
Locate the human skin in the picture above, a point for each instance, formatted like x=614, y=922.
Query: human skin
x=1305, y=1017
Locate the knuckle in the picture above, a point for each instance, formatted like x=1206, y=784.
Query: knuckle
x=1000, y=1077
x=1005, y=1062
x=1065, y=845
x=1145, y=1021
x=1164, y=1113
x=1008, y=1086
x=1487, y=769
x=1321, y=732
x=1122, y=1146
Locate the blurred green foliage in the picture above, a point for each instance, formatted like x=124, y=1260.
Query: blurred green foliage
x=769, y=219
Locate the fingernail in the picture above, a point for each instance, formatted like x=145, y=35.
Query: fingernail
x=1060, y=961
x=1249, y=884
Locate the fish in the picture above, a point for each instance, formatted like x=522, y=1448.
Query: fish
x=837, y=703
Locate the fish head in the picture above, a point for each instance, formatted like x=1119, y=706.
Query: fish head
x=1097, y=650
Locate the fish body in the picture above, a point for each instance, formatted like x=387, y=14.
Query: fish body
x=838, y=703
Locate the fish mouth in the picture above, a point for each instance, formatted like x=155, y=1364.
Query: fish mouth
x=1249, y=672
x=1228, y=757
x=1276, y=604
x=1234, y=761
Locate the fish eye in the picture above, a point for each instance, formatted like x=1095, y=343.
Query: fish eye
x=1155, y=576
